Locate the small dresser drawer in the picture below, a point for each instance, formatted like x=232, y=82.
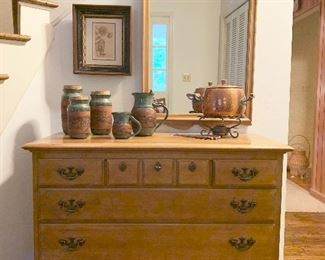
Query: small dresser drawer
x=245, y=172
x=194, y=172
x=70, y=172
x=159, y=172
x=123, y=172
x=158, y=242
x=158, y=205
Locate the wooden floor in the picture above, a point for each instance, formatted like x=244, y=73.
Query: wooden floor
x=305, y=236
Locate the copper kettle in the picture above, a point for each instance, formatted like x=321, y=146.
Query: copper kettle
x=223, y=100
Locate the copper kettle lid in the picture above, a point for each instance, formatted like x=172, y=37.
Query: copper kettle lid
x=223, y=85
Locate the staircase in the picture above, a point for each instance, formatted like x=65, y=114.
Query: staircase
x=10, y=21
x=22, y=49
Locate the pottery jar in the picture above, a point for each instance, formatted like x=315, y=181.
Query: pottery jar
x=100, y=112
x=122, y=128
x=79, y=117
x=68, y=92
x=144, y=111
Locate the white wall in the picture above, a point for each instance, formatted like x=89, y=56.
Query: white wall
x=24, y=115
x=272, y=77
x=59, y=67
x=37, y=114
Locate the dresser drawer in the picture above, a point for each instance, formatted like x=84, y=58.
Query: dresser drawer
x=158, y=205
x=123, y=172
x=70, y=172
x=245, y=172
x=159, y=172
x=158, y=242
x=193, y=172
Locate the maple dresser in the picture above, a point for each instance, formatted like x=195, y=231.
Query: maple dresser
x=162, y=197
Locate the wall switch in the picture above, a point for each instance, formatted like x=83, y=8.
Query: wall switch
x=186, y=77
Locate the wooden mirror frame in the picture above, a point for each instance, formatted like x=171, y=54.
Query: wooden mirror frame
x=187, y=120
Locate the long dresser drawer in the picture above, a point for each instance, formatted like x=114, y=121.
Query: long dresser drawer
x=157, y=242
x=70, y=172
x=158, y=205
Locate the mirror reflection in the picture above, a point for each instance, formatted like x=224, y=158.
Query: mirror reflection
x=193, y=42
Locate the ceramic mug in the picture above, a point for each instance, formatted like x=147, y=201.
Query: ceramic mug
x=122, y=127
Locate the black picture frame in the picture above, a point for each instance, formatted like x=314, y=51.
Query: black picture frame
x=101, y=39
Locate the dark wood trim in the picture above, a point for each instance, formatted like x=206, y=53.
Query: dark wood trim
x=4, y=77
x=318, y=175
x=15, y=16
x=14, y=37
x=80, y=13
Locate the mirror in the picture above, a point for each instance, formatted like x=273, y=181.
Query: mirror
x=187, y=43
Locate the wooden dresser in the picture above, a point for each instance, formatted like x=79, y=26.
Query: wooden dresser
x=162, y=197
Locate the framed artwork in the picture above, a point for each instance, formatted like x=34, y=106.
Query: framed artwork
x=101, y=39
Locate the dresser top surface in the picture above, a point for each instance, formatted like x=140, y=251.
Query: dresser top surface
x=161, y=141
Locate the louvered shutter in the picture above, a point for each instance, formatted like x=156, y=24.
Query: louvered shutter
x=236, y=26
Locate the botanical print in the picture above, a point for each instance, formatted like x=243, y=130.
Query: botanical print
x=104, y=47
x=103, y=41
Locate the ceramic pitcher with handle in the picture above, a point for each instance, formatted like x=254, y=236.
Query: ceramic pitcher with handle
x=144, y=111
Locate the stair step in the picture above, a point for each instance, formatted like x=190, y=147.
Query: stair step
x=4, y=77
x=44, y=3
x=14, y=37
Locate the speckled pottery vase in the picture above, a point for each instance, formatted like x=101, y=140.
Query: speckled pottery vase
x=143, y=110
x=122, y=128
x=68, y=92
x=79, y=117
x=100, y=112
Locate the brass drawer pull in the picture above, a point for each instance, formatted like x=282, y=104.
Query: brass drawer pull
x=242, y=243
x=70, y=173
x=242, y=206
x=71, y=205
x=71, y=243
x=192, y=166
x=157, y=166
x=122, y=166
x=244, y=174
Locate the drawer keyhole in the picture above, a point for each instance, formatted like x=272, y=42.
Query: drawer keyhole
x=157, y=166
x=192, y=166
x=122, y=166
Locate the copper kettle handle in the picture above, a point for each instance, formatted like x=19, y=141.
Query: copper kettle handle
x=165, y=110
x=194, y=96
x=244, y=100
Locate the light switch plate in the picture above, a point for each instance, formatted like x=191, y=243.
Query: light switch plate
x=186, y=77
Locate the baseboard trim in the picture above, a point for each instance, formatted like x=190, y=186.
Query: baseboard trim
x=316, y=194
